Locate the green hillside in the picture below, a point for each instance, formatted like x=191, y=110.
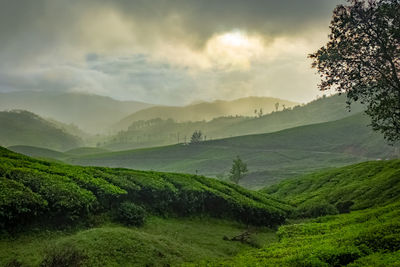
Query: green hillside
x=32, y=188
x=37, y=195
x=85, y=151
x=26, y=128
x=38, y=152
x=270, y=157
x=353, y=187
x=206, y=110
x=158, y=132
x=92, y=113
x=367, y=237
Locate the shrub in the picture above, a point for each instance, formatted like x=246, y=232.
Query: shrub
x=344, y=206
x=131, y=214
x=315, y=209
x=63, y=256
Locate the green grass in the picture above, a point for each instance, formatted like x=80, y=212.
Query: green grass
x=363, y=238
x=159, y=242
x=86, y=151
x=363, y=185
x=270, y=157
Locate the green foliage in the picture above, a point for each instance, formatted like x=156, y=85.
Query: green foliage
x=18, y=203
x=131, y=214
x=238, y=170
x=315, y=209
x=356, y=238
x=362, y=58
x=354, y=187
x=36, y=189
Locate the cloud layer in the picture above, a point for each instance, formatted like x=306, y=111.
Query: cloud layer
x=166, y=52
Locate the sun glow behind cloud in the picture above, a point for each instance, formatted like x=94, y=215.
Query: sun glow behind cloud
x=234, y=50
x=174, y=52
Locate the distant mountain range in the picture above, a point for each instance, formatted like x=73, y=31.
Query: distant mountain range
x=205, y=111
x=158, y=132
x=91, y=113
x=26, y=128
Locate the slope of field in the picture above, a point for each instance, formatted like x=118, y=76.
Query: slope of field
x=31, y=189
x=207, y=110
x=270, y=157
x=158, y=132
x=25, y=128
x=353, y=187
x=38, y=152
x=369, y=236
x=92, y=113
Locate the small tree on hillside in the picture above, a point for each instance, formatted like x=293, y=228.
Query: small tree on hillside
x=238, y=170
x=196, y=137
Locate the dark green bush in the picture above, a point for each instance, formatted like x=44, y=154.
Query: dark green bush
x=63, y=256
x=315, y=209
x=131, y=214
x=344, y=206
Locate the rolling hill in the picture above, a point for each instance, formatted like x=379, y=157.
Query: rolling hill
x=355, y=187
x=365, y=234
x=270, y=157
x=26, y=128
x=159, y=132
x=205, y=111
x=92, y=113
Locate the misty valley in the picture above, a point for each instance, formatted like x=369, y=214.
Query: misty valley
x=197, y=133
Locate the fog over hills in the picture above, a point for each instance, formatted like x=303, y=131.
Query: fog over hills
x=26, y=128
x=91, y=113
x=270, y=157
x=248, y=106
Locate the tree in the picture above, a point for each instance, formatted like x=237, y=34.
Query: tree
x=276, y=106
x=362, y=59
x=196, y=137
x=238, y=170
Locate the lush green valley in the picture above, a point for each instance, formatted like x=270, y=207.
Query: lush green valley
x=271, y=157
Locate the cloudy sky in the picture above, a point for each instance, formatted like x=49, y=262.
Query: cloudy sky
x=163, y=51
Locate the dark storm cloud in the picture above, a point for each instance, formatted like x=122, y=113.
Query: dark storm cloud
x=80, y=45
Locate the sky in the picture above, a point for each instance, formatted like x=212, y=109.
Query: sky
x=171, y=52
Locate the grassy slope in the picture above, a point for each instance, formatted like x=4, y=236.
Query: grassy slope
x=369, y=236
x=25, y=128
x=366, y=184
x=158, y=243
x=205, y=110
x=41, y=195
x=270, y=157
x=364, y=238
x=163, y=132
